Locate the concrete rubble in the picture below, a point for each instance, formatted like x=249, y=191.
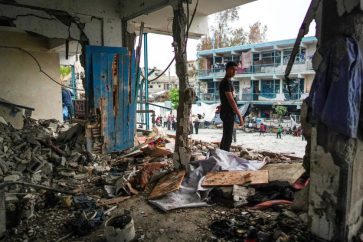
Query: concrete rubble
x=88, y=188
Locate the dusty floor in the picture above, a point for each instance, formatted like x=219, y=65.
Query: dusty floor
x=192, y=224
x=178, y=225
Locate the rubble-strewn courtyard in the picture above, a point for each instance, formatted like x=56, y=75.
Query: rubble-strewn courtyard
x=55, y=190
x=267, y=142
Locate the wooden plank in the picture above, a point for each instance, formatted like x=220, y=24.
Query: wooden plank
x=229, y=178
x=285, y=171
x=167, y=184
x=112, y=201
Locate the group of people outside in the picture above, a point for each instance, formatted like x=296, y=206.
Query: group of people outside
x=168, y=122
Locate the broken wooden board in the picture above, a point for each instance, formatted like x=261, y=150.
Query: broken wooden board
x=112, y=201
x=285, y=171
x=160, y=152
x=134, y=153
x=229, y=178
x=167, y=184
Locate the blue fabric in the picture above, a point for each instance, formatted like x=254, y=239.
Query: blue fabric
x=335, y=96
x=65, y=113
x=66, y=97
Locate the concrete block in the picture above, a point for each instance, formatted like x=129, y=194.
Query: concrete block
x=11, y=178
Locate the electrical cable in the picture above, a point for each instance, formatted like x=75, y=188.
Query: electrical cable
x=186, y=40
x=39, y=66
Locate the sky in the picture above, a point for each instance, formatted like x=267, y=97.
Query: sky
x=282, y=17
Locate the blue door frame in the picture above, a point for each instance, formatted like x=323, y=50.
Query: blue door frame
x=111, y=91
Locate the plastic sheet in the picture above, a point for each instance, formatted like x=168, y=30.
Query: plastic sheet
x=191, y=193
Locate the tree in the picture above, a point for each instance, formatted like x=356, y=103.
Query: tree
x=239, y=37
x=257, y=33
x=223, y=35
x=174, y=97
x=280, y=111
x=65, y=71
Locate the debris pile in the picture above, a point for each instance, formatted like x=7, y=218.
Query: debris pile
x=276, y=224
x=202, y=148
x=61, y=191
x=50, y=181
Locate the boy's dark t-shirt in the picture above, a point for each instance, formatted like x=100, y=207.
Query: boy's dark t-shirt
x=225, y=86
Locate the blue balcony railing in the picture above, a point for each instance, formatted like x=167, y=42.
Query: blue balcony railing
x=257, y=69
x=214, y=97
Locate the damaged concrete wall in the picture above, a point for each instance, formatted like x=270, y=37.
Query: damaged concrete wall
x=336, y=165
x=91, y=22
x=97, y=21
x=20, y=79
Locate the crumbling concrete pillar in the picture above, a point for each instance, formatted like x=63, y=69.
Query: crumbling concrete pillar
x=336, y=161
x=182, y=152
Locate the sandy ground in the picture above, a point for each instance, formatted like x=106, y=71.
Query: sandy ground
x=288, y=144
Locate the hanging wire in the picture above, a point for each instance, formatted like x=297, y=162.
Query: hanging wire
x=186, y=40
x=38, y=64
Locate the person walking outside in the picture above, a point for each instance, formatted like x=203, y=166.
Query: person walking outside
x=262, y=129
x=196, y=124
x=165, y=120
x=279, y=132
x=228, y=106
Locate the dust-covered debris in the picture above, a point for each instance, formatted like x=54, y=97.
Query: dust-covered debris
x=88, y=188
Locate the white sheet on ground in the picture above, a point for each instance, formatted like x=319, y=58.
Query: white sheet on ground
x=191, y=193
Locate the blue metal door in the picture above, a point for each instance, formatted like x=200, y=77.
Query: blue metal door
x=111, y=91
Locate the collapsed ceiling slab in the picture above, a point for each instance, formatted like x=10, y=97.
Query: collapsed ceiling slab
x=158, y=14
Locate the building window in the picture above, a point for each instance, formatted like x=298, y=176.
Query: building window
x=218, y=64
x=159, y=86
x=236, y=89
x=269, y=88
x=150, y=86
x=210, y=87
x=299, y=59
x=296, y=88
x=271, y=58
x=227, y=59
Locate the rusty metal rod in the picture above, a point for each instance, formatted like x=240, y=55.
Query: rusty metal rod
x=304, y=29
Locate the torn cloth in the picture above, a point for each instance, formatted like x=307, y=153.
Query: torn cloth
x=335, y=96
x=191, y=193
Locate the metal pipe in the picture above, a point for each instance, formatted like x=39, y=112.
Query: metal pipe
x=152, y=104
x=146, y=67
x=74, y=84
